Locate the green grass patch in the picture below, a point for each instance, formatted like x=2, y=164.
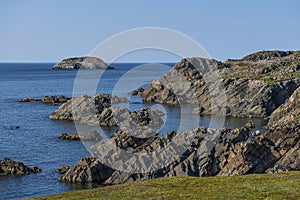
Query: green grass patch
x=257, y=186
x=261, y=66
x=242, y=64
x=297, y=118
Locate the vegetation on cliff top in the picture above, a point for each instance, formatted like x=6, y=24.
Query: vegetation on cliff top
x=256, y=186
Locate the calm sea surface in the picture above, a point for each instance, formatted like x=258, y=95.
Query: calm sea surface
x=36, y=142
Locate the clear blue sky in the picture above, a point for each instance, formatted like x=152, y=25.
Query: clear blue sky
x=40, y=30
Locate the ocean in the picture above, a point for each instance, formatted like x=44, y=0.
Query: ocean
x=35, y=143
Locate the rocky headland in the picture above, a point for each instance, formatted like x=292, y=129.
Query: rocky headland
x=253, y=86
x=86, y=62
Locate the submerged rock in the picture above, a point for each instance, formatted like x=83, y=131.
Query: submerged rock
x=12, y=127
x=81, y=63
x=10, y=167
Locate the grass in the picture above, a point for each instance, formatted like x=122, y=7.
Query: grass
x=242, y=64
x=297, y=118
x=257, y=186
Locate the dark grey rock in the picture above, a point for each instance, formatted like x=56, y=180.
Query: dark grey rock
x=10, y=167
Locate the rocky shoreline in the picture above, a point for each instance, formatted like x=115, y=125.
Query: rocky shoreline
x=227, y=152
x=265, y=84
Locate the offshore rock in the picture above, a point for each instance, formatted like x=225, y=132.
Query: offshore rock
x=81, y=63
x=10, y=167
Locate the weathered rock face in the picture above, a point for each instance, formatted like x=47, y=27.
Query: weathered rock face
x=287, y=112
x=88, y=169
x=253, y=86
x=87, y=109
x=82, y=63
x=211, y=152
x=98, y=110
x=10, y=167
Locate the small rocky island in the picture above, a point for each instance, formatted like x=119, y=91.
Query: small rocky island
x=11, y=167
x=87, y=62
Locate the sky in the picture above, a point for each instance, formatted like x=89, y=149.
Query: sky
x=48, y=31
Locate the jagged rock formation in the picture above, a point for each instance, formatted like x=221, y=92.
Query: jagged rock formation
x=253, y=86
x=87, y=109
x=10, y=167
x=98, y=110
x=81, y=63
x=287, y=112
x=211, y=152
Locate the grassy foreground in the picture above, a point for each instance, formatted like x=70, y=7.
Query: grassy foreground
x=264, y=186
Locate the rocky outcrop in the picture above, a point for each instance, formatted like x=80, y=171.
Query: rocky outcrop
x=251, y=87
x=63, y=169
x=98, y=110
x=94, y=136
x=81, y=63
x=211, y=152
x=267, y=55
x=10, y=167
x=88, y=169
x=87, y=109
x=53, y=100
x=137, y=92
